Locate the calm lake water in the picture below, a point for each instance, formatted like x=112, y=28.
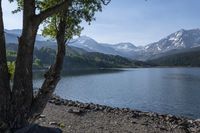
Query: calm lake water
x=164, y=90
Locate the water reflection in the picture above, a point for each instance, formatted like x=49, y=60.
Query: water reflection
x=40, y=74
x=165, y=90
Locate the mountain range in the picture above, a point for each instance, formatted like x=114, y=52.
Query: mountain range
x=182, y=40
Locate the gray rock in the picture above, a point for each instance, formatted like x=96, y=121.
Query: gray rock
x=42, y=116
x=86, y=106
x=193, y=130
x=51, y=101
x=76, y=111
x=57, y=103
x=135, y=115
x=53, y=123
x=197, y=120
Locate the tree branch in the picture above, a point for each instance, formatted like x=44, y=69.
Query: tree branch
x=52, y=77
x=105, y=2
x=52, y=10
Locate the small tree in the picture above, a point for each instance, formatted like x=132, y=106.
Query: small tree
x=18, y=106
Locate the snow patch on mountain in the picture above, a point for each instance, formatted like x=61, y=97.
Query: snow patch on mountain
x=178, y=40
x=182, y=39
x=124, y=46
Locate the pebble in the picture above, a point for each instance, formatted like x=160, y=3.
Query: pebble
x=42, y=116
x=75, y=111
x=53, y=123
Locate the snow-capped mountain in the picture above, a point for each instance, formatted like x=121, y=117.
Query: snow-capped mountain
x=126, y=47
x=127, y=50
x=90, y=45
x=178, y=40
x=182, y=39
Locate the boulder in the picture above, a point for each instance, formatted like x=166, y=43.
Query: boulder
x=76, y=111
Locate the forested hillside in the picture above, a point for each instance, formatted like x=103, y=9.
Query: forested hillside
x=76, y=59
x=190, y=58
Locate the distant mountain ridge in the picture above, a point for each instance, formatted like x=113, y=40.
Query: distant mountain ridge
x=178, y=40
x=182, y=39
x=90, y=45
x=17, y=32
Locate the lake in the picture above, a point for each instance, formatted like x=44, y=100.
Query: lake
x=164, y=90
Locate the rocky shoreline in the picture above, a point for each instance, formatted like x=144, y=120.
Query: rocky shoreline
x=132, y=120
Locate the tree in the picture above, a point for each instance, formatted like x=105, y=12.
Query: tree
x=18, y=106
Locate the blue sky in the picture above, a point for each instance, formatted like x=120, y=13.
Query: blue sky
x=135, y=21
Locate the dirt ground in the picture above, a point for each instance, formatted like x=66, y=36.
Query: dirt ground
x=81, y=118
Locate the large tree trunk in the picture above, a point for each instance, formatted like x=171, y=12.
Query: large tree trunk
x=22, y=92
x=18, y=105
x=53, y=75
x=4, y=76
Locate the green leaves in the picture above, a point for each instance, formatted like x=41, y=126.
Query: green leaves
x=74, y=14
x=80, y=10
x=11, y=69
x=19, y=5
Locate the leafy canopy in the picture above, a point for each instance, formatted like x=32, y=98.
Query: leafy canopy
x=80, y=10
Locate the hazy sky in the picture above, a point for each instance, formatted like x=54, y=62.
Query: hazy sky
x=137, y=21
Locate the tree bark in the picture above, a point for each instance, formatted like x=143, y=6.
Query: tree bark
x=53, y=10
x=4, y=75
x=19, y=102
x=22, y=92
x=52, y=77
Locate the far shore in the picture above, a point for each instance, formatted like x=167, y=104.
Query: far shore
x=122, y=68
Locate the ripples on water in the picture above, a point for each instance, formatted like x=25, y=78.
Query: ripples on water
x=164, y=90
